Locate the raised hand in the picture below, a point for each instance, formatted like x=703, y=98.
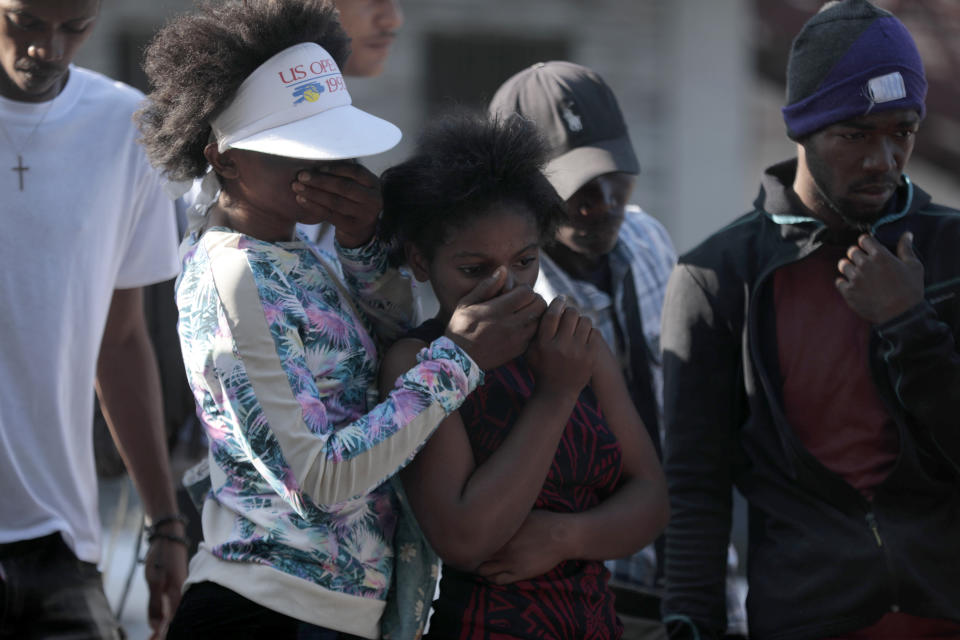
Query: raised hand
x=494, y=327
x=345, y=194
x=878, y=285
x=562, y=355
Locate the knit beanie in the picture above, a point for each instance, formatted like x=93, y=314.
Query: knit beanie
x=849, y=60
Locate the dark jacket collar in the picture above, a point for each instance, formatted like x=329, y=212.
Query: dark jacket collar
x=780, y=204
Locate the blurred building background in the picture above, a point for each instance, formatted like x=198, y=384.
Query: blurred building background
x=700, y=82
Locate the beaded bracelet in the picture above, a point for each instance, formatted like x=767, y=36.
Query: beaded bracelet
x=153, y=529
x=165, y=520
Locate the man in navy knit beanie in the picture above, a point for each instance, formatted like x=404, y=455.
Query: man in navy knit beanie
x=811, y=360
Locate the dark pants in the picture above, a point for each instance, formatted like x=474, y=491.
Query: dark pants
x=639, y=611
x=208, y=610
x=46, y=592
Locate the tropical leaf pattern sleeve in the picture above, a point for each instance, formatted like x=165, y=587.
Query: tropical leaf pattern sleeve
x=382, y=292
x=290, y=370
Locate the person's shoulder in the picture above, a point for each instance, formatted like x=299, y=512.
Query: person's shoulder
x=929, y=220
x=730, y=239
x=400, y=357
x=636, y=220
x=236, y=261
x=950, y=214
x=222, y=243
x=727, y=259
x=197, y=252
x=224, y=249
x=428, y=331
x=642, y=230
x=936, y=229
x=106, y=92
x=402, y=354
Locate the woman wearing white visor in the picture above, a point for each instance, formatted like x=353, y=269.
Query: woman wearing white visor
x=301, y=524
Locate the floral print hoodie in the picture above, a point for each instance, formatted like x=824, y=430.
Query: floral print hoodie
x=282, y=363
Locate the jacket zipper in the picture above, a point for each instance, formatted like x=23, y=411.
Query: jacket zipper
x=870, y=515
x=891, y=575
x=872, y=523
x=753, y=341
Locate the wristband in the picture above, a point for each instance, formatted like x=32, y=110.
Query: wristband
x=154, y=525
x=153, y=537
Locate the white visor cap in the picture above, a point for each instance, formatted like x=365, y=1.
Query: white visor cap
x=296, y=105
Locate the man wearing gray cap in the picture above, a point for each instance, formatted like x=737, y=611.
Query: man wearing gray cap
x=610, y=258
x=810, y=359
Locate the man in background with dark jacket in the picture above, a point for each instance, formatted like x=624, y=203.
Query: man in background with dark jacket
x=811, y=359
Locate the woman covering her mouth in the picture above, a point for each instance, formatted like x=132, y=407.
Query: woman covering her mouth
x=300, y=524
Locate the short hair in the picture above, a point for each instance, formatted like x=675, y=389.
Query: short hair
x=465, y=164
x=196, y=63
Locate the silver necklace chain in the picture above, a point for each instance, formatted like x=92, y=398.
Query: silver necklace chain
x=20, y=168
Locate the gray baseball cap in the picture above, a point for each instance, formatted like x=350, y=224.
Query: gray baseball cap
x=577, y=114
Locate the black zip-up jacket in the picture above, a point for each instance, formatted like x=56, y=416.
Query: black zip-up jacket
x=822, y=560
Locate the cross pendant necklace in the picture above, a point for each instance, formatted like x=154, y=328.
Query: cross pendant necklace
x=20, y=168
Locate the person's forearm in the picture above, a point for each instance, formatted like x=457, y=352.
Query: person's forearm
x=340, y=466
x=501, y=492
x=703, y=411
x=625, y=522
x=128, y=385
x=923, y=365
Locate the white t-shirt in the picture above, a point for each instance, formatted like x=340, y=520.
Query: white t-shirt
x=92, y=217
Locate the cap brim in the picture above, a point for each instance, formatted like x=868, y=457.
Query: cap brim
x=575, y=168
x=335, y=134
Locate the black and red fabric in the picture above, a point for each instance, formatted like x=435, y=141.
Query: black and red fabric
x=571, y=601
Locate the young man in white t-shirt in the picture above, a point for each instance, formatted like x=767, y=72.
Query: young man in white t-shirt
x=86, y=225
